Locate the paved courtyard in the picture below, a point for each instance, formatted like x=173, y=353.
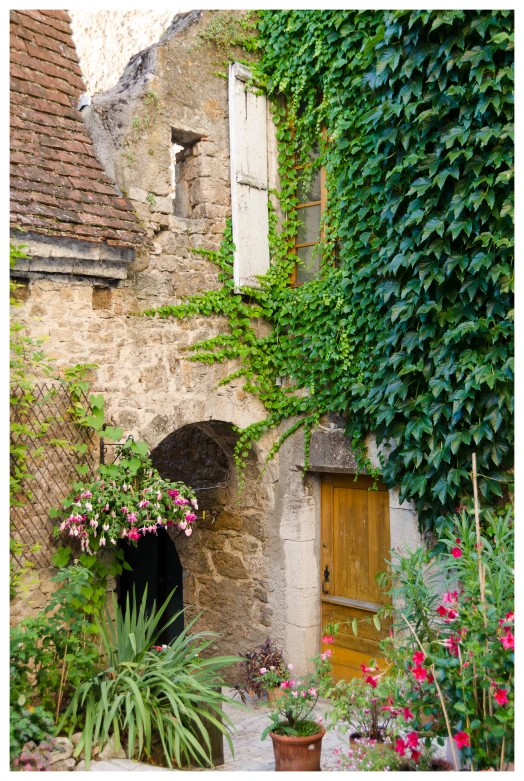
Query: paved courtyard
x=251, y=754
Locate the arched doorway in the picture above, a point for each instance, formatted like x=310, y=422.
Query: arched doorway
x=154, y=564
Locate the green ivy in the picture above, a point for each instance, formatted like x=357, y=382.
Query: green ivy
x=408, y=330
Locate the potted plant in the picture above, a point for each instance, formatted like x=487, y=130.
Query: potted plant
x=295, y=732
x=264, y=670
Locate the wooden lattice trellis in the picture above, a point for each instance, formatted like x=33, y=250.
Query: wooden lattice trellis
x=53, y=472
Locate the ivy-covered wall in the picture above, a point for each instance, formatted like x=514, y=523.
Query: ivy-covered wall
x=408, y=331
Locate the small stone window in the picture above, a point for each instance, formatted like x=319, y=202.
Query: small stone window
x=182, y=143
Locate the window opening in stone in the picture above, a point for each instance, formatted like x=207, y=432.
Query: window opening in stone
x=182, y=143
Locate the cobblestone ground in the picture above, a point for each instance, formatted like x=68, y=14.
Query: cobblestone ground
x=251, y=754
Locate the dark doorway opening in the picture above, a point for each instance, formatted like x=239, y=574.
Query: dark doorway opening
x=154, y=563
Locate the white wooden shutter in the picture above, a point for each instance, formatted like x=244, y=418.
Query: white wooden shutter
x=249, y=196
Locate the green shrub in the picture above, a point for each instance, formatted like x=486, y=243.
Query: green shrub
x=28, y=725
x=145, y=694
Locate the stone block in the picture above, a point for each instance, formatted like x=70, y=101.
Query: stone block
x=227, y=521
x=230, y=566
x=64, y=765
x=162, y=205
x=300, y=645
x=205, y=190
x=244, y=544
x=303, y=605
x=210, y=210
x=301, y=564
x=137, y=194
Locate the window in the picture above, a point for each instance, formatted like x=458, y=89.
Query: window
x=311, y=193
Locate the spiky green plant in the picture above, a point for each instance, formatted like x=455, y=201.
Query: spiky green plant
x=143, y=693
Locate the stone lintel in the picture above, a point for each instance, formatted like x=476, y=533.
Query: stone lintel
x=330, y=451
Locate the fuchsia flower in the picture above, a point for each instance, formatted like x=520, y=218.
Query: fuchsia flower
x=190, y=517
x=450, y=597
x=133, y=534
x=131, y=518
x=418, y=657
x=124, y=510
x=501, y=696
x=461, y=739
x=143, y=503
x=508, y=641
x=181, y=501
x=327, y=639
x=188, y=532
x=312, y=692
x=368, y=669
x=172, y=493
x=406, y=713
x=372, y=680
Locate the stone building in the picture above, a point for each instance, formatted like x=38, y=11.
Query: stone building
x=112, y=202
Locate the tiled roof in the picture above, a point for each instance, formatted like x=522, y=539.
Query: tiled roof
x=58, y=186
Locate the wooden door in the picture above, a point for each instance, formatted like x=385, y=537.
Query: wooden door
x=355, y=545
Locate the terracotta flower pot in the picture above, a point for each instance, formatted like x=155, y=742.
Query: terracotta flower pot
x=275, y=694
x=295, y=754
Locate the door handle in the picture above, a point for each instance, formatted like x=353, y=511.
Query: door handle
x=326, y=580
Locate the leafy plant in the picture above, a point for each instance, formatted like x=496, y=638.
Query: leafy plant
x=458, y=646
x=35, y=757
x=291, y=711
x=52, y=653
x=266, y=657
x=34, y=726
x=142, y=694
x=129, y=500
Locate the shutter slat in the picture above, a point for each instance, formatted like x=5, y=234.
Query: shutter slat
x=249, y=196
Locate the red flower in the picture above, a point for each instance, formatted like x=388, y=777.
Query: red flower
x=407, y=714
x=415, y=754
x=441, y=610
x=400, y=747
x=368, y=669
x=418, y=657
x=456, y=553
x=458, y=540
x=508, y=641
x=372, y=680
x=501, y=696
x=327, y=639
x=452, y=614
x=461, y=739
x=510, y=617
x=412, y=740
x=419, y=673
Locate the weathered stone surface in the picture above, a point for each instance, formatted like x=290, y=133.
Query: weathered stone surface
x=230, y=566
x=64, y=750
x=64, y=764
x=228, y=521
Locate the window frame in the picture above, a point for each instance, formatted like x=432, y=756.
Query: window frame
x=322, y=203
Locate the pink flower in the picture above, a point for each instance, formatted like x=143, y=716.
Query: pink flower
x=368, y=669
x=456, y=553
x=181, y=501
x=400, y=747
x=290, y=667
x=263, y=670
x=412, y=740
x=102, y=540
x=508, y=641
x=285, y=685
x=143, y=503
x=131, y=518
x=188, y=532
x=372, y=680
x=419, y=673
x=328, y=652
x=194, y=503
x=418, y=657
x=450, y=597
x=312, y=692
x=124, y=510
x=327, y=639
x=133, y=534
x=510, y=617
x=461, y=739
x=173, y=493
x=406, y=713
x=294, y=694
x=190, y=517
x=501, y=696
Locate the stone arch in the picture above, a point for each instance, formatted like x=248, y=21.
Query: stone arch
x=232, y=560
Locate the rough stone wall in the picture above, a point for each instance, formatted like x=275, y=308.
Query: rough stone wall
x=105, y=40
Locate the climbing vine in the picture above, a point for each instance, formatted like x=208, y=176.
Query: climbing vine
x=408, y=329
